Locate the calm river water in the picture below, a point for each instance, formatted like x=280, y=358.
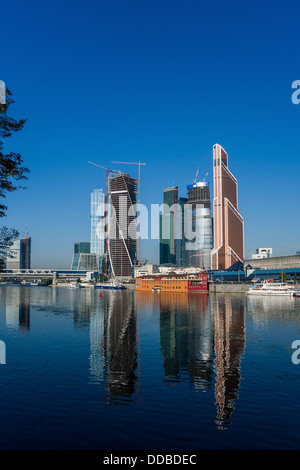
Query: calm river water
x=147, y=371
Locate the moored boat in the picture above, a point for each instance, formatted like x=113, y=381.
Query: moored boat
x=115, y=285
x=272, y=288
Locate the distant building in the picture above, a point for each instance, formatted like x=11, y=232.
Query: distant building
x=167, y=227
x=228, y=223
x=81, y=257
x=85, y=262
x=262, y=253
x=82, y=247
x=122, y=229
x=19, y=254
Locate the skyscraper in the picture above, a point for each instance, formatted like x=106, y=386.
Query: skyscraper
x=167, y=226
x=199, y=202
x=228, y=223
x=98, y=235
x=181, y=252
x=122, y=230
x=19, y=254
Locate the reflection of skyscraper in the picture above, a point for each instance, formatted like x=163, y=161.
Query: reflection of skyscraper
x=186, y=337
x=120, y=345
x=228, y=223
x=167, y=227
x=229, y=338
x=17, y=310
x=122, y=224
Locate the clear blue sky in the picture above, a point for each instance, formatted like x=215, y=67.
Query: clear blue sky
x=156, y=81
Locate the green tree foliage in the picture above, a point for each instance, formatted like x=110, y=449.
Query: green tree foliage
x=11, y=171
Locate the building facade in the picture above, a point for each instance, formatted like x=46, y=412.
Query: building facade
x=199, y=249
x=98, y=243
x=122, y=228
x=262, y=253
x=228, y=223
x=19, y=254
x=181, y=251
x=167, y=227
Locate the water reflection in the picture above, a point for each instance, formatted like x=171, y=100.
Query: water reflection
x=120, y=347
x=229, y=344
x=15, y=303
x=186, y=338
x=201, y=337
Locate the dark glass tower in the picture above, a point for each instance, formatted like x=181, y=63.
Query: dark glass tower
x=167, y=227
x=122, y=224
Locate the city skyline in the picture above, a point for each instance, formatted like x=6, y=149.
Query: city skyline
x=151, y=97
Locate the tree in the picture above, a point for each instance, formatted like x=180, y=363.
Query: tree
x=11, y=171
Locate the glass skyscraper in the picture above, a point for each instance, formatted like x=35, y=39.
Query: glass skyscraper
x=98, y=224
x=167, y=227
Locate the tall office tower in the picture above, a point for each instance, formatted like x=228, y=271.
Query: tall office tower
x=122, y=230
x=167, y=227
x=199, y=249
x=228, y=223
x=19, y=254
x=98, y=235
x=181, y=252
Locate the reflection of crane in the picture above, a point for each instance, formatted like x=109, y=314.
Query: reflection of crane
x=139, y=201
x=106, y=208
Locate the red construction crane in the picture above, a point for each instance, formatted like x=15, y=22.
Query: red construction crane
x=200, y=254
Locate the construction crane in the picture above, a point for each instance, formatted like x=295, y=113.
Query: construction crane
x=139, y=202
x=106, y=208
x=200, y=254
x=195, y=180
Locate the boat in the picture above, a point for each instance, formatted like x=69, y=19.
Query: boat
x=74, y=285
x=272, y=288
x=296, y=293
x=116, y=285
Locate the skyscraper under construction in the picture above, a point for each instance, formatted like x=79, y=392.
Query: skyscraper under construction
x=122, y=229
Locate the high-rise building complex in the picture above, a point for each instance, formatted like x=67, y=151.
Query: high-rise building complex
x=228, y=223
x=19, y=254
x=122, y=228
x=167, y=226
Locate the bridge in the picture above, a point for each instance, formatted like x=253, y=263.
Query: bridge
x=45, y=273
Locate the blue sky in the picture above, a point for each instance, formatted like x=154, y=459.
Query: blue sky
x=156, y=81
